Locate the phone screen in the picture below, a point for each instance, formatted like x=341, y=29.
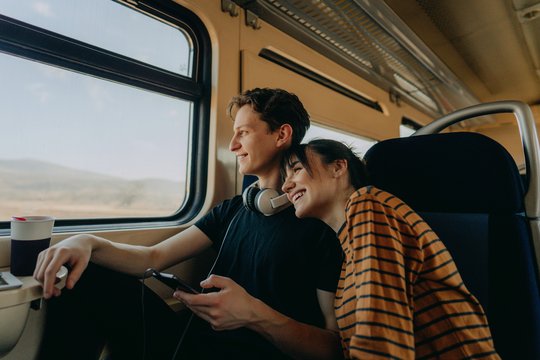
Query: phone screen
x=174, y=282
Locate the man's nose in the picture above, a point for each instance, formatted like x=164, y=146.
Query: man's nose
x=234, y=144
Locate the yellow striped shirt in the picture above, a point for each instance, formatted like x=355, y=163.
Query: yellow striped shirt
x=400, y=294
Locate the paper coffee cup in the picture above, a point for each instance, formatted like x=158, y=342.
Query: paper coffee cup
x=29, y=236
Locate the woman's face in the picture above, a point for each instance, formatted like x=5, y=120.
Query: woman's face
x=311, y=194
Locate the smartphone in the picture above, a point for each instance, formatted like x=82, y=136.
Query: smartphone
x=174, y=282
x=8, y=281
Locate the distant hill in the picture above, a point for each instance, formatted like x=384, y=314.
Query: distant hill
x=32, y=180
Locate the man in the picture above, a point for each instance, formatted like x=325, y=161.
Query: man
x=273, y=283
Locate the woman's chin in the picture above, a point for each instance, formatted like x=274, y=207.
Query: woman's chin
x=300, y=212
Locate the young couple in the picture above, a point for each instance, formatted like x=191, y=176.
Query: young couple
x=275, y=278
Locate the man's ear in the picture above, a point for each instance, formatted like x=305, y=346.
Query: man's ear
x=285, y=133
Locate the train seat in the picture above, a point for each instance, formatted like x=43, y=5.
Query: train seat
x=468, y=189
x=248, y=180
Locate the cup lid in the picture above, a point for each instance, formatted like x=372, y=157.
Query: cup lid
x=32, y=218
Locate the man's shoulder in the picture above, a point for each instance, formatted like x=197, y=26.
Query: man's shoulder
x=223, y=211
x=309, y=226
x=231, y=204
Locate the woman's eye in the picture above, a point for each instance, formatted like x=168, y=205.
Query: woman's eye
x=296, y=169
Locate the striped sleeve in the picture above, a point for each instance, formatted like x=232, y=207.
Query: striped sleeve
x=383, y=315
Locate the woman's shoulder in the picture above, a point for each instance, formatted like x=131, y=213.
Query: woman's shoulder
x=369, y=192
x=373, y=195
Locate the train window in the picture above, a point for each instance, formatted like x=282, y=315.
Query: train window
x=358, y=143
x=108, y=25
x=95, y=138
x=405, y=131
x=94, y=154
x=408, y=127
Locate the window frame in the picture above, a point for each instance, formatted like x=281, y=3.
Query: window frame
x=410, y=123
x=33, y=43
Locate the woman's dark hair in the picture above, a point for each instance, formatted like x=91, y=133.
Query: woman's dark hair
x=329, y=151
x=276, y=107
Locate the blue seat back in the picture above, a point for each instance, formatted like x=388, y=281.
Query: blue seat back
x=248, y=180
x=468, y=189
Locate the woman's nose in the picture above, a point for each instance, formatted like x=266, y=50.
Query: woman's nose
x=287, y=185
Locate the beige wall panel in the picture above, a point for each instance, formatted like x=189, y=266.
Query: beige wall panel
x=323, y=104
x=536, y=113
x=507, y=134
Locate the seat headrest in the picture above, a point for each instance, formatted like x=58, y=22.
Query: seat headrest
x=451, y=172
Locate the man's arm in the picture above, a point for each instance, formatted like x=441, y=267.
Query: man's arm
x=78, y=250
x=232, y=307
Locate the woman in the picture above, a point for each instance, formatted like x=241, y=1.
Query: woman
x=400, y=294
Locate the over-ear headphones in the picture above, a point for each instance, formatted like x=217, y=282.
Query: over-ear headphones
x=265, y=201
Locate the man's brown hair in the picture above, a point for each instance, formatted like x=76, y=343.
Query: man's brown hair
x=276, y=107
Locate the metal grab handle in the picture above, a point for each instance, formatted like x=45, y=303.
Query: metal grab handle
x=528, y=134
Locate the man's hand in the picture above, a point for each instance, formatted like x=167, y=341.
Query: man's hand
x=229, y=308
x=232, y=307
x=75, y=251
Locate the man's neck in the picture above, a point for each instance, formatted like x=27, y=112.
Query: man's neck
x=270, y=182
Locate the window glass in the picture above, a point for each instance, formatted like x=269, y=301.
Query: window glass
x=76, y=146
x=405, y=131
x=111, y=26
x=408, y=127
x=358, y=143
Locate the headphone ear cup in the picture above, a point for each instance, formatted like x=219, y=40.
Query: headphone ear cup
x=263, y=202
x=249, y=197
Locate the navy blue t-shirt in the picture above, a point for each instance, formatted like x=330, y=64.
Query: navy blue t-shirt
x=279, y=259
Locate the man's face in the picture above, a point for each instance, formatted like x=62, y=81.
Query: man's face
x=254, y=145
